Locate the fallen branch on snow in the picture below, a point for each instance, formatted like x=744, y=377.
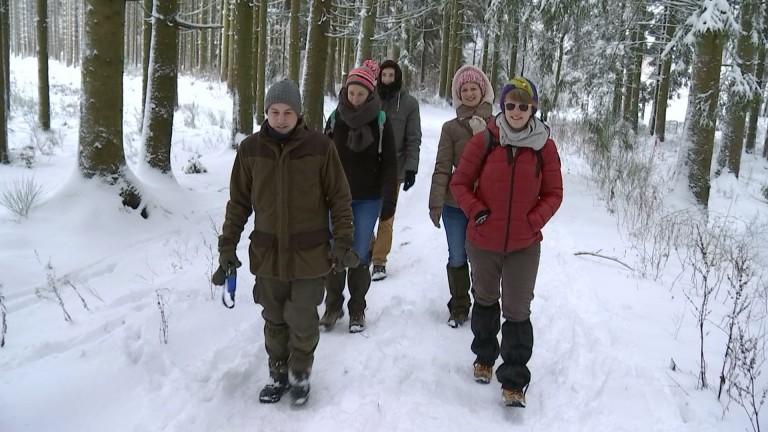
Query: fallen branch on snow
x=597, y=254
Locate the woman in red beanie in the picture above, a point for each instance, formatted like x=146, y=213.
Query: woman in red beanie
x=366, y=147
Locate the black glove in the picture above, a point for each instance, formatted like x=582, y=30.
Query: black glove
x=481, y=216
x=410, y=179
x=219, y=277
x=226, y=258
x=387, y=210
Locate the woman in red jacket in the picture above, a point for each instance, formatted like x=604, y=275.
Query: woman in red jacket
x=509, y=189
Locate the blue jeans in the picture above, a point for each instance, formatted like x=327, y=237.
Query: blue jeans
x=365, y=213
x=455, y=223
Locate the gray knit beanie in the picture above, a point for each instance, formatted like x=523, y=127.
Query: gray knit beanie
x=285, y=91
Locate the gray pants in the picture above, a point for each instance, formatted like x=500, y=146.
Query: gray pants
x=291, y=331
x=517, y=272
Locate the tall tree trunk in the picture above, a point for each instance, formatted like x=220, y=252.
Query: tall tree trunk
x=5, y=51
x=261, y=68
x=757, y=101
x=558, y=72
x=453, y=47
x=618, y=92
x=314, y=62
x=739, y=100
x=445, y=42
x=662, y=95
x=146, y=41
x=203, y=41
x=514, y=28
x=76, y=45
x=100, y=152
x=638, y=51
x=294, y=51
x=161, y=89
x=330, y=82
x=367, y=27
x=702, y=112
x=242, y=118
x=44, y=110
x=495, y=53
x=489, y=27
x=233, y=44
x=226, y=13
x=4, y=81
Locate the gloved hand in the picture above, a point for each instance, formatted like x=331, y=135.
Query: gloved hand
x=410, y=179
x=219, y=277
x=226, y=258
x=481, y=216
x=387, y=210
x=342, y=257
x=434, y=214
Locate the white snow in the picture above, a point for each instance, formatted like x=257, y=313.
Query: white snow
x=604, y=338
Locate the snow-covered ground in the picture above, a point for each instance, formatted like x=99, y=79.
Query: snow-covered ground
x=604, y=337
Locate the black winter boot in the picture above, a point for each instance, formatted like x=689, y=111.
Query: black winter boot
x=486, y=321
x=359, y=282
x=299, y=387
x=334, y=299
x=458, y=305
x=516, y=349
x=278, y=384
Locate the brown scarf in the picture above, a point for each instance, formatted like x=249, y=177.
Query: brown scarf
x=360, y=136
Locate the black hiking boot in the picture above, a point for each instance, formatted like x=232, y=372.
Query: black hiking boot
x=275, y=388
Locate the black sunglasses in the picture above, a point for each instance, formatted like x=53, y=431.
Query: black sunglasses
x=510, y=106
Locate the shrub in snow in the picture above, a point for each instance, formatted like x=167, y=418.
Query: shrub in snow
x=27, y=155
x=765, y=191
x=191, y=113
x=54, y=287
x=162, y=306
x=21, y=196
x=194, y=166
x=3, y=314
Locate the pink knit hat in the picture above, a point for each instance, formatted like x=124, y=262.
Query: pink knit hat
x=364, y=75
x=471, y=76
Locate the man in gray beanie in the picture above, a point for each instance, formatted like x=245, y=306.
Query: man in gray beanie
x=293, y=180
x=285, y=91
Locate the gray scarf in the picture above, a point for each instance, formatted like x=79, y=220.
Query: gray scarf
x=534, y=135
x=360, y=136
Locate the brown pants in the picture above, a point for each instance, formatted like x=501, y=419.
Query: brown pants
x=381, y=243
x=291, y=331
x=517, y=272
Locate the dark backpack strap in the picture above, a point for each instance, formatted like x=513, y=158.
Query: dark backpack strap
x=488, y=144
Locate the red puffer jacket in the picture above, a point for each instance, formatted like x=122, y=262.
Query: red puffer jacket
x=521, y=194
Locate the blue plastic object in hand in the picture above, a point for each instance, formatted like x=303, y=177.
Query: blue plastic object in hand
x=231, y=286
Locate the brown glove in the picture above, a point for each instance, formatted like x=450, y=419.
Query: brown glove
x=434, y=214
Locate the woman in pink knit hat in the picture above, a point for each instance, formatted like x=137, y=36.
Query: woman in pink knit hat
x=366, y=147
x=473, y=100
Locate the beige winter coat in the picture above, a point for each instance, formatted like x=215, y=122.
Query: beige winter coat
x=453, y=138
